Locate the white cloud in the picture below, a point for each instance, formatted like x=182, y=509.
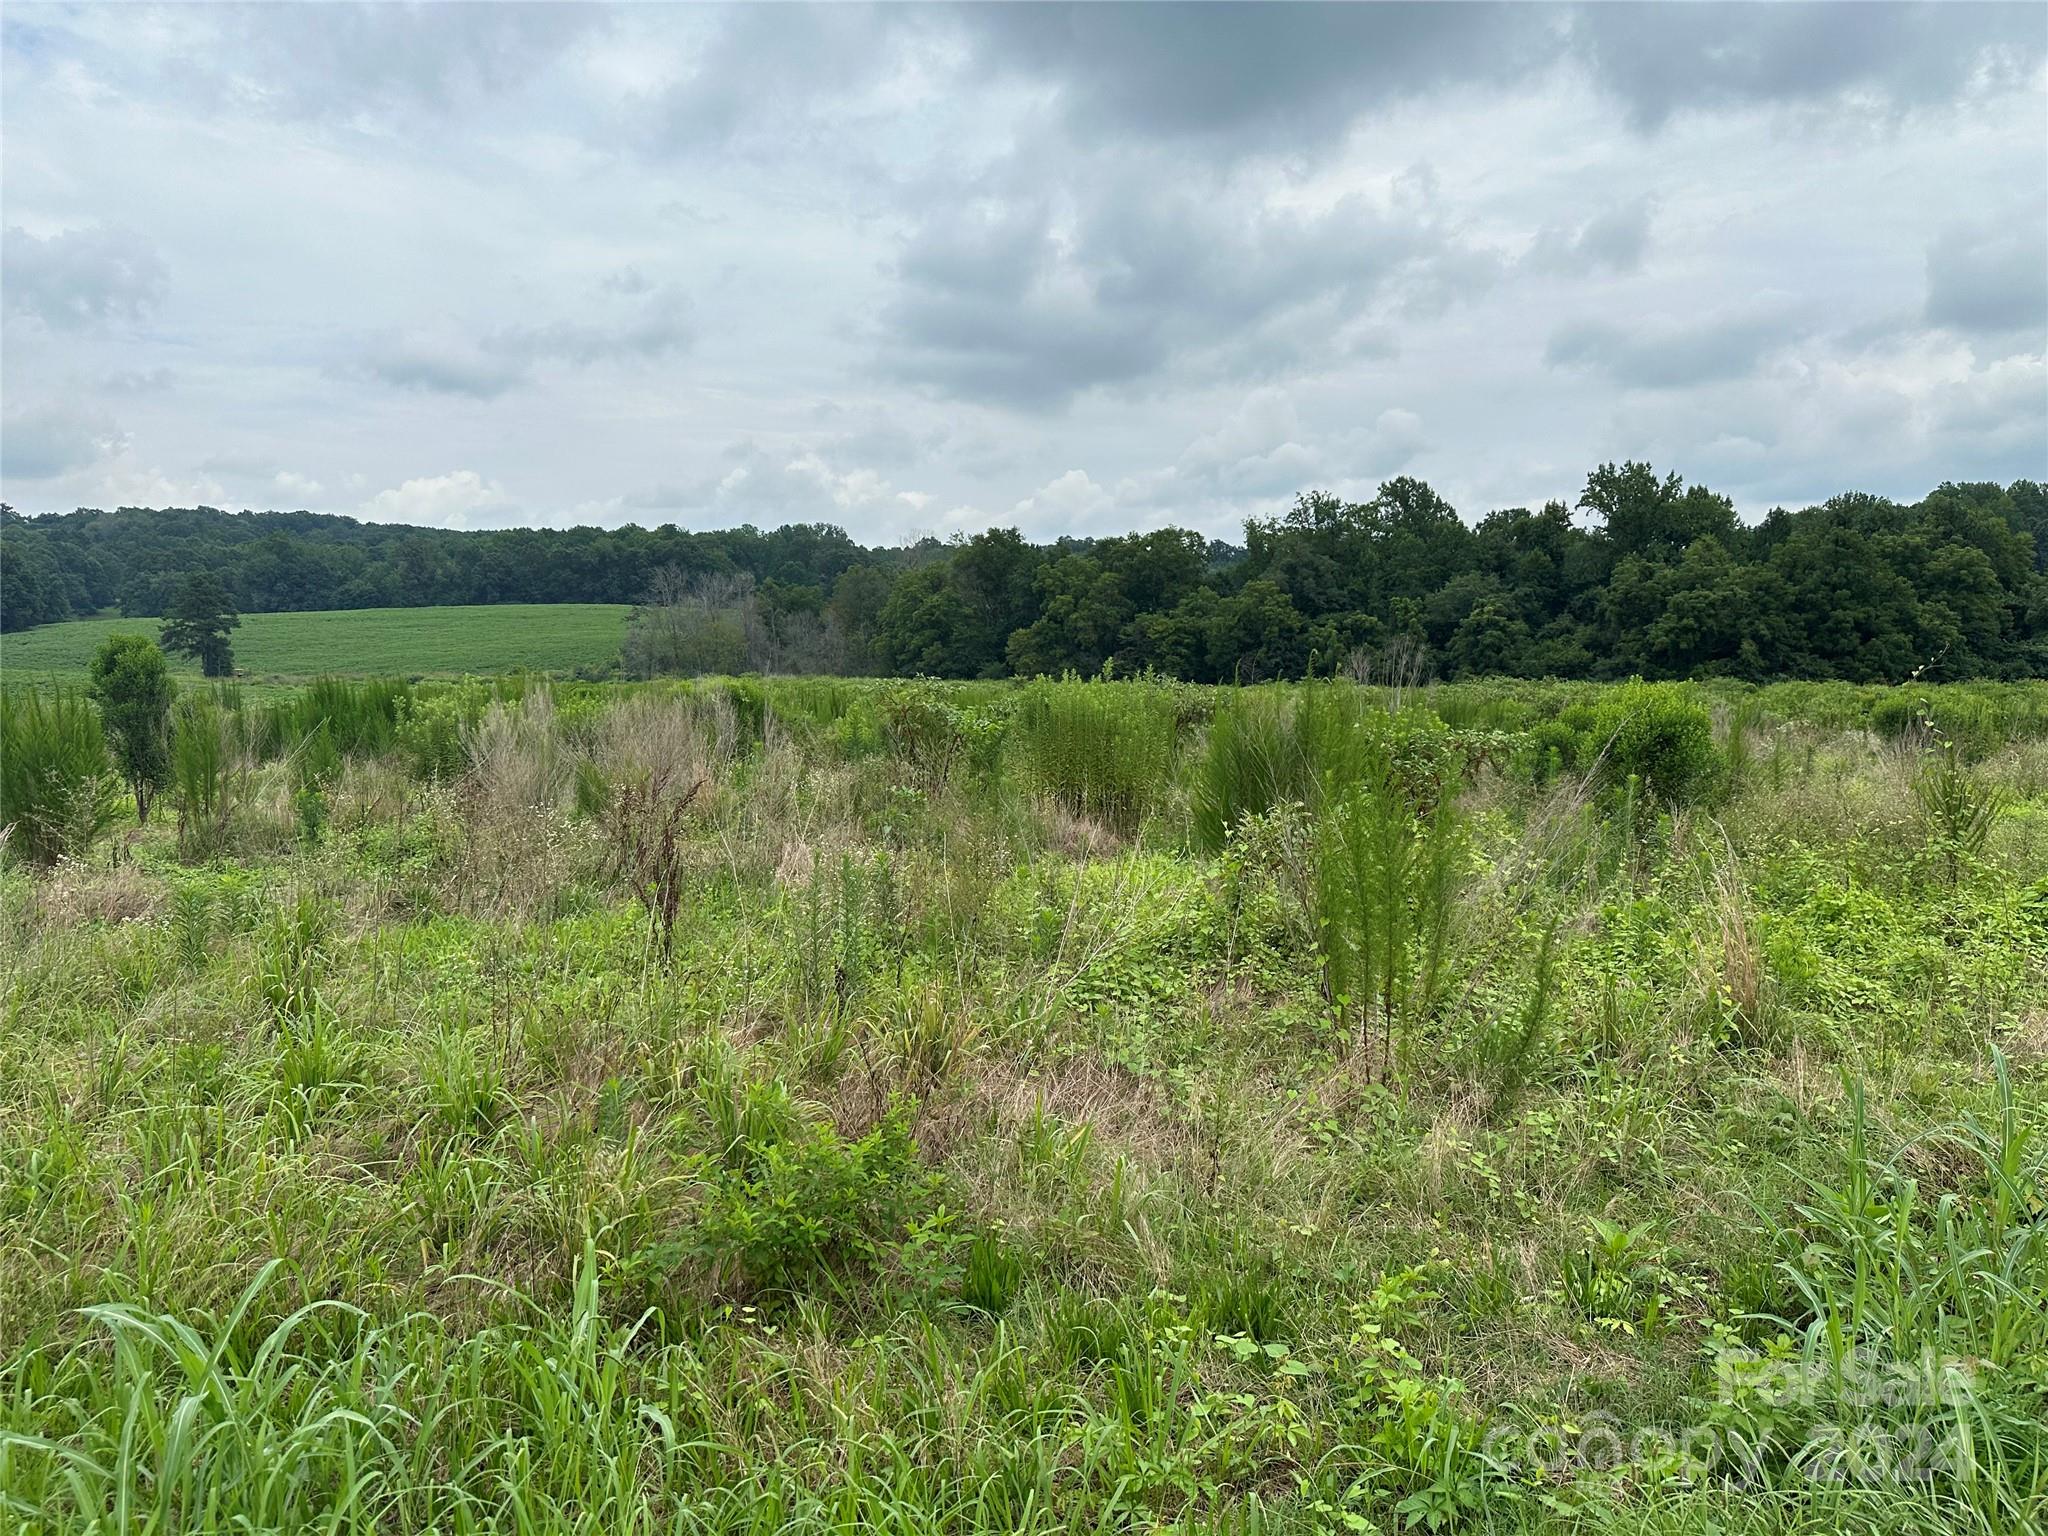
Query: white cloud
x=81, y=277
x=1070, y=504
x=460, y=499
x=290, y=483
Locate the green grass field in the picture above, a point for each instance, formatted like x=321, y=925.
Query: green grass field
x=812, y=1107
x=359, y=642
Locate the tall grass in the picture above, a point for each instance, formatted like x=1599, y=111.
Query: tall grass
x=58, y=791
x=1255, y=759
x=1102, y=750
x=211, y=764
x=811, y=1144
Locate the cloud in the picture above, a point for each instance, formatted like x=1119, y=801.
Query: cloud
x=357, y=66
x=137, y=381
x=1612, y=240
x=43, y=442
x=940, y=257
x=81, y=278
x=1667, y=353
x=1027, y=300
x=446, y=363
x=1990, y=279
x=1258, y=450
x=1390, y=446
x=1070, y=504
x=1253, y=76
x=768, y=485
x=1661, y=62
x=461, y=499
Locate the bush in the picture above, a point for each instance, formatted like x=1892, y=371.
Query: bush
x=787, y=1203
x=1386, y=882
x=133, y=689
x=429, y=729
x=58, y=791
x=1662, y=737
x=359, y=718
x=1552, y=747
x=934, y=736
x=208, y=775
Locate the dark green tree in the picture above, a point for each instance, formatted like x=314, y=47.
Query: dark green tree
x=1656, y=519
x=197, y=623
x=133, y=688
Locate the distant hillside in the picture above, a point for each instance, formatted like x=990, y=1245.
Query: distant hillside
x=369, y=642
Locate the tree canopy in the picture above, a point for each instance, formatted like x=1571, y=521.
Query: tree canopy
x=1639, y=573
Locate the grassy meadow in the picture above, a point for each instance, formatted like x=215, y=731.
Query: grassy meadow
x=354, y=642
x=819, y=1106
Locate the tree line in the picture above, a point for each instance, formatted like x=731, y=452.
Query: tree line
x=1641, y=575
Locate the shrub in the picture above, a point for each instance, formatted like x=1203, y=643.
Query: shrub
x=1385, y=884
x=1662, y=737
x=209, y=775
x=787, y=1203
x=1957, y=810
x=58, y=791
x=935, y=737
x=359, y=718
x=132, y=687
x=429, y=726
x=1552, y=747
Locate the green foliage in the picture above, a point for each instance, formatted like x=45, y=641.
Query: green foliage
x=1958, y=809
x=936, y=736
x=58, y=792
x=197, y=622
x=133, y=690
x=1660, y=736
x=1386, y=881
x=945, y=1166
x=209, y=774
x=429, y=725
x=1102, y=750
x=788, y=1203
x=1666, y=585
x=297, y=647
x=1255, y=760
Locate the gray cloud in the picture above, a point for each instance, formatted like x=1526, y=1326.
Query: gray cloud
x=1029, y=300
x=1254, y=76
x=1992, y=278
x=81, y=277
x=444, y=364
x=1121, y=264
x=1664, y=353
x=1661, y=61
x=137, y=381
x=44, y=441
x=506, y=356
x=1612, y=240
x=356, y=65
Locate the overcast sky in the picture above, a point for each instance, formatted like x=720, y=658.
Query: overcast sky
x=916, y=270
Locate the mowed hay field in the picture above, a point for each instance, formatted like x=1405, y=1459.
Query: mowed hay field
x=816, y=1106
x=357, y=642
